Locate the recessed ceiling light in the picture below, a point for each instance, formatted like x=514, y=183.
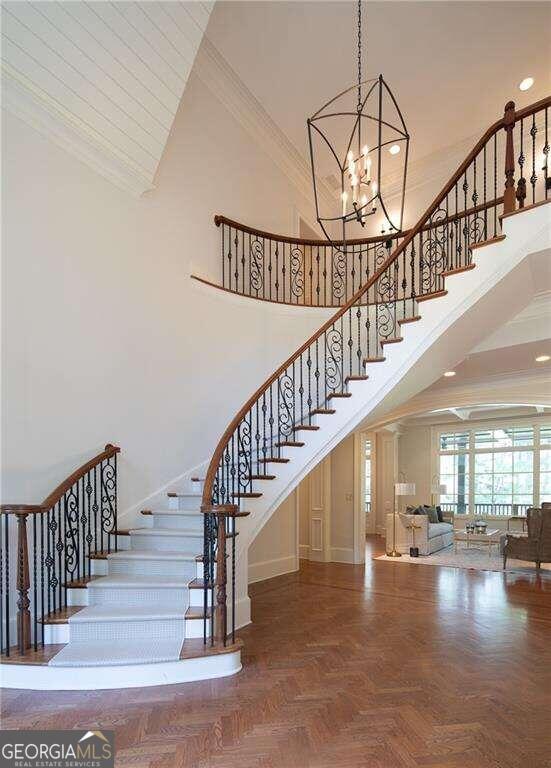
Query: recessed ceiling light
x=526, y=84
x=448, y=374
x=394, y=149
x=543, y=358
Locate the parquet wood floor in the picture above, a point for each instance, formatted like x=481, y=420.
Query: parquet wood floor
x=391, y=666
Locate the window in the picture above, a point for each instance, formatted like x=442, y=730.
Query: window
x=545, y=464
x=368, y=476
x=454, y=471
x=497, y=470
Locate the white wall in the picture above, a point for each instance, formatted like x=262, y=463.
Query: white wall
x=414, y=460
x=105, y=337
x=275, y=549
x=342, y=501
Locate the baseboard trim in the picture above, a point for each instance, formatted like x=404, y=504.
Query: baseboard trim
x=46, y=678
x=267, y=569
x=342, y=555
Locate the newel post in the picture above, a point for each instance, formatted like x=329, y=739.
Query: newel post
x=509, y=124
x=23, y=584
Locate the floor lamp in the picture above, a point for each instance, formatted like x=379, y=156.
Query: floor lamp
x=400, y=489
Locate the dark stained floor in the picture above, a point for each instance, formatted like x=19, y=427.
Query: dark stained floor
x=390, y=666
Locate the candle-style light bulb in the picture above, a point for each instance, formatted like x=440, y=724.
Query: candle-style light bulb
x=344, y=198
x=351, y=164
x=374, y=187
x=354, y=182
x=367, y=161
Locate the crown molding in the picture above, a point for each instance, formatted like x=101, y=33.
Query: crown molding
x=218, y=76
x=521, y=388
x=35, y=107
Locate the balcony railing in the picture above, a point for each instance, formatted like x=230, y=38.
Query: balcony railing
x=490, y=510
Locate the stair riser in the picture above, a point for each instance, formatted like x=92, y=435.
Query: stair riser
x=187, y=522
x=169, y=629
x=194, y=628
x=196, y=598
x=190, y=502
x=181, y=568
x=175, y=543
x=138, y=596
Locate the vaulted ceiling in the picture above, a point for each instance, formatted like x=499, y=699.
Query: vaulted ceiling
x=103, y=79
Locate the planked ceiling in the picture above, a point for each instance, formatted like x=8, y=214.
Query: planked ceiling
x=105, y=78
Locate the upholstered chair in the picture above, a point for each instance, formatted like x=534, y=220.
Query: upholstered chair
x=536, y=546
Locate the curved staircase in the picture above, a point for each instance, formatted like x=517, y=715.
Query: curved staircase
x=160, y=602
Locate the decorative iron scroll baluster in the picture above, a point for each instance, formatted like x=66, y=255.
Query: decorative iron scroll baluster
x=393, y=273
x=54, y=540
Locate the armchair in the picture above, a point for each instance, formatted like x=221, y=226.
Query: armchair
x=536, y=546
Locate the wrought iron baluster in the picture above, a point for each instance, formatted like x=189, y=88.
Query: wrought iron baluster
x=270, y=268
x=521, y=184
x=59, y=548
x=534, y=176
x=243, y=262
x=546, y=185
x=277, y=271
x=35, y=585
x=223, y=257
x=42, y=572
x=283, y=271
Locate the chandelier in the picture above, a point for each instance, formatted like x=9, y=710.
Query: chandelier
x=361, y=150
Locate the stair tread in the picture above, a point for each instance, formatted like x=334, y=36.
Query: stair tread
x=90, y=653
x=186, y=494
x=107, y=612
x=172, y=512
x=127, y=581
x=289, y=444
x=152, y=554
x=196, y=612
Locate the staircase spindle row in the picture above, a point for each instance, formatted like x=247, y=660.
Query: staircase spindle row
x=49, y=548
x=397, y=275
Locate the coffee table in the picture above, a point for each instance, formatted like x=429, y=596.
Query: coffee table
x=492, y=536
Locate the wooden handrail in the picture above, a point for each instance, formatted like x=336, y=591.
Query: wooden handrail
x=219, y=219
x=55, y=496
x=222, y=443
x=43, y=517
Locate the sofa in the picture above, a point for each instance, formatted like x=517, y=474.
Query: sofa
x=429, y=536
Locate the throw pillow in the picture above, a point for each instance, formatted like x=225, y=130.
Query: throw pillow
x=432, y=514
x=440, y=515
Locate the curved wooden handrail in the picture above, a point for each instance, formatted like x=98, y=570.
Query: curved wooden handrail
x=503, y=122
x=62, y=488
x=219, y=219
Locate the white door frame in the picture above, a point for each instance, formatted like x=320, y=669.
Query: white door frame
x=363, y=524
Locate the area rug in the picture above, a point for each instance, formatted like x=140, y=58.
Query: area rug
x=472, y=558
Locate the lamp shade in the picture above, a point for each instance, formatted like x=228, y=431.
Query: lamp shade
x=404, y=489
x=439, y=488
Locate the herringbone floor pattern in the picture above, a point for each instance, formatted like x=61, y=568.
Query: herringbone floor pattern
x=394, y=666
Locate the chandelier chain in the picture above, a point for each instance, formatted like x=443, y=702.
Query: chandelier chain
x=359, y=107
